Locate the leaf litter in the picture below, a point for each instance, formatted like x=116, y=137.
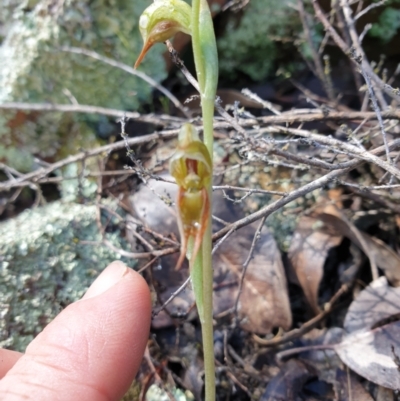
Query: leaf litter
x=371, y=346
x=368, y=345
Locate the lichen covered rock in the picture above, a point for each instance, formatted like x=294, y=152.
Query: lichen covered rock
x=48, y=258
x=35, y=70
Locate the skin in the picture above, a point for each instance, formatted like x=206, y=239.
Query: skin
x=91, y=351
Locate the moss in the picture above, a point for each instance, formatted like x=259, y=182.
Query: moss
x=49, y=257
x=249, y=47
x=387, y=26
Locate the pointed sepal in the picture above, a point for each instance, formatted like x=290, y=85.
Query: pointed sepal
x=162, y=20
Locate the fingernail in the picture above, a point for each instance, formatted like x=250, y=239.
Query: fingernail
x=108, y=278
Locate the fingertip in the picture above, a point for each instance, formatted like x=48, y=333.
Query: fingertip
x=111, y=275
x=141, y=298
x=93, y=349
x=8, y=359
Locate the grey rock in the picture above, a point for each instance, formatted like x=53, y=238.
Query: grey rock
x=48, y=258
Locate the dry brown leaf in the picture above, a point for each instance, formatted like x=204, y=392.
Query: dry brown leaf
x=375, y=303
x=310, y=245
x=372, y=346
x=336, y=195
x=323, y=360
x=264, y=301
x=385, y=258
x=377, y=251
x=384, y=394
x=348, y=388
x=316, y=235
x=397, y=220
x=370, y=354
x=337, y=221
x=288, y=383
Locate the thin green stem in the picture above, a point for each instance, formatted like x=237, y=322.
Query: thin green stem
x=200, y=23
x=197, y=53
x=206, y=61
x=208, y=127
x=196, y=273
x=207, y=327
x=202, y=275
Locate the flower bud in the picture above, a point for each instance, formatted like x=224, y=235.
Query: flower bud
x=162, y=20
x=191, y=167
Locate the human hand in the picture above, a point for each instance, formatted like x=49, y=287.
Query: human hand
x=91, y=351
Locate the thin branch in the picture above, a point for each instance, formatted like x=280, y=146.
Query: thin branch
x=223, y=239
x=129, y=70
x=171, y=298
x=179, y=63
x=309, y=161
x=363, y=154
x=306, y=327
x=248, y=190
x=35, y=176
x=369, y=8
x=375, y=105
x=345, y=49
x=365, y=192
x=358, y=55
x=264, y=103
x=364, y=32
x=317, y=61
x=148, y=264
x=9, y=171
x=290, y=117
x=140, y=255
x=68, y=108
x=305, y=189
x=293, y=117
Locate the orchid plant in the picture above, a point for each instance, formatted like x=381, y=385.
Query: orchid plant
x=191, y=165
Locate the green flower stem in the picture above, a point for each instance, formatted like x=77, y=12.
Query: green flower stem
x=202, y=280
x=196, y=273
x=158, y=22
x=206, y=62
x=207, y=321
